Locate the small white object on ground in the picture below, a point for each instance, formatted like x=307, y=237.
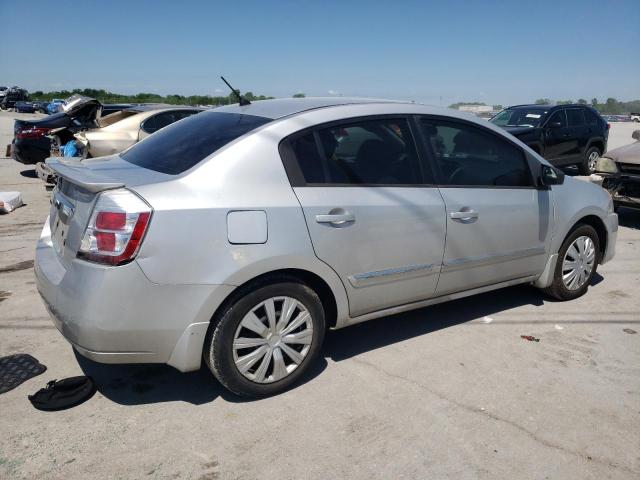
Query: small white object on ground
x=558, y=327
x=487, y=320
x=9, y=201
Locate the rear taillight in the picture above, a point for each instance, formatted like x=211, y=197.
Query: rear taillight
x=116, y=228
x=32, y=132
x=608, y=126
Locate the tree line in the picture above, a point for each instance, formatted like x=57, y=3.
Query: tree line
x=610, y=106
x=109, y=97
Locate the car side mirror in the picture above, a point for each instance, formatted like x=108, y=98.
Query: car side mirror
x=636, y=135
x=551, y=176
x=555, y=125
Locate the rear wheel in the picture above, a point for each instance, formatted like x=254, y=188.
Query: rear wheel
x=577, y=263
x=588, y=165
x=266, y=339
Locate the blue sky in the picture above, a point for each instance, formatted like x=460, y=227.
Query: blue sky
x=433, y=52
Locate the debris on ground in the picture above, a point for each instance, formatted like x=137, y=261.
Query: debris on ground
x=558, y=327
x=628, y=330
x=9, y=201
x=530, y=338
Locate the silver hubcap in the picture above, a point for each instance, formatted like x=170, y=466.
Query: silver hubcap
x=593, y=159
x=272, y=339
x=578, y=263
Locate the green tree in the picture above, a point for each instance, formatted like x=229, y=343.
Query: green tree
x=582, y=101
x=594, y=102
x=299, y=95
x=543, y=101
x=498, y=107
x=564, y=102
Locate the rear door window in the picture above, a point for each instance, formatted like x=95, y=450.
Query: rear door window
x=558, y=117
x=575, y=117
x=182, y=145
x=368, y=152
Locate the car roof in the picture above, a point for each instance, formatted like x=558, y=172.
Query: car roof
x=537, y=106
x=283, y=107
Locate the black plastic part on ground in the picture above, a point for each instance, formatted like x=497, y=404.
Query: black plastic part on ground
x=63, y=394
x=18, y=368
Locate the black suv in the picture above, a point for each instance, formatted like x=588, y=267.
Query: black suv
x=563, y=134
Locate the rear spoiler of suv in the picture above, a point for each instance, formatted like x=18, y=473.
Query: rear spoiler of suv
x=77, y=173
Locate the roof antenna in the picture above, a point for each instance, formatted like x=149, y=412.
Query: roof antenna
x=243, y=101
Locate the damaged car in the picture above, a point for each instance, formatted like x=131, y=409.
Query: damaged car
x=620, y=169
x=120, y=130
x=33, y=139
x=116, y=133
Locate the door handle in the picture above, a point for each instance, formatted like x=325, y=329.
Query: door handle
x=336, y=218
x=464, y=215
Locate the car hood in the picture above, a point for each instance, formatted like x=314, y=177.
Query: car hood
x=626, y=154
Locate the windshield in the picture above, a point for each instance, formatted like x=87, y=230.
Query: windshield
x=181, y=145
x=519, y=117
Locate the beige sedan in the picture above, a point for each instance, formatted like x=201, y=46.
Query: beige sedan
x=120, y=130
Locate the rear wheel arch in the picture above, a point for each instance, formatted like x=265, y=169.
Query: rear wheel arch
x=599, y=144
x=305, y=277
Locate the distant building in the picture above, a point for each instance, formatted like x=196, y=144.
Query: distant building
x=476, y=108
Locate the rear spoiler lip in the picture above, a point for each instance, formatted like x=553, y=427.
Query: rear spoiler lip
x=77, y=173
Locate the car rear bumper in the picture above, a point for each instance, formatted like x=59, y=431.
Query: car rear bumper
x=31, y=151
x=116, y=315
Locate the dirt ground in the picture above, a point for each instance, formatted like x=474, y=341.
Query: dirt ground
x=450, y=391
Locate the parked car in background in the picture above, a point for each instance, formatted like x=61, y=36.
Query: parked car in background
x=562, y=134
x=26, y=107
x=33, y=139
x=240, y=234
x=54, y=106
x=109, y=108
x=3, y=92
x=620, y=168
x=635, y=117
x=13, y=95
x=119, y=131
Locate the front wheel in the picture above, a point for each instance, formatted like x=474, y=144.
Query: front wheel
x=266, y=339
x=577, y=263
x=588, y=165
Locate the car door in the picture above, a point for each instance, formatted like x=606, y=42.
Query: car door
x=372, y=214
x=498, y=223
x=557, y=138
x=578, y=132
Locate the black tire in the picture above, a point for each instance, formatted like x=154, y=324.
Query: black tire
x=558, y=289
x=583, y=167
x=218, y=347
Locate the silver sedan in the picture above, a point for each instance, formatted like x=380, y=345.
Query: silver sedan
x=239, y=235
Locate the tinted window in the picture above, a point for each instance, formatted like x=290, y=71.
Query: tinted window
x=519, y=117
x=161, y=120
x=470, y=156
x=374, y=152
x=575, y=117
x=590, y=116
x=182, y=145
x=558, y=117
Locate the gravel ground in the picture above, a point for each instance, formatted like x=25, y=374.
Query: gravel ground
x=450, y=391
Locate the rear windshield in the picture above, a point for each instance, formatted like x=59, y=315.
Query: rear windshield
x=181, y=145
